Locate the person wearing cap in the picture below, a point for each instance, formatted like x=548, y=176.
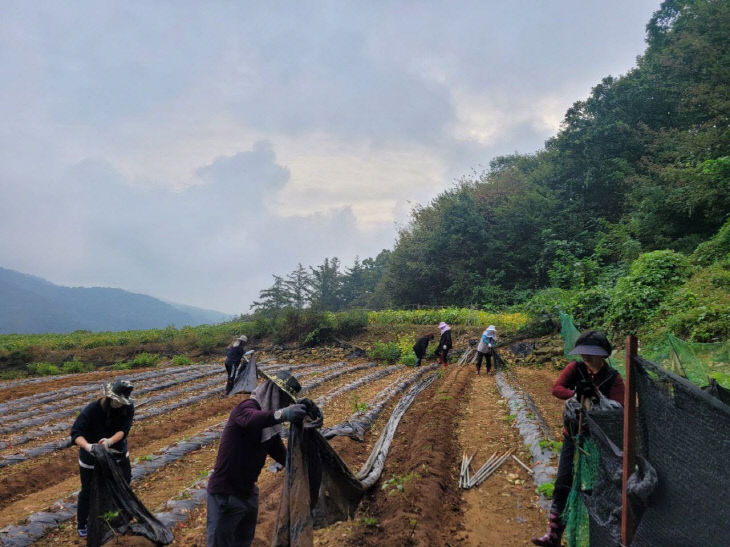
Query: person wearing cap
x=253, y=430
x=485, y=349
x=442, y=351
x=420, y=347
x=106, y=422
x=583, y=379
x=233, y=359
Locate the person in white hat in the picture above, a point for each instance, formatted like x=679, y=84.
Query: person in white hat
x=485, y=349
x=106, y=422
x=233, y=359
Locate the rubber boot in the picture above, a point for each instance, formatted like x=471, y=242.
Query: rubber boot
x=554, y=535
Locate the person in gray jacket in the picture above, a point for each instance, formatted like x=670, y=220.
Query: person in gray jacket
x=485, y=349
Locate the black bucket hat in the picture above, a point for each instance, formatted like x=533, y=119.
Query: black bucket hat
x=120, y=391
x=592, y=342
x=285, y=382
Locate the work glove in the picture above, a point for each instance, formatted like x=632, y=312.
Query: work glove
x=292, y=413
x=444, y=346
x=89, y=448
x=313, y=412
x=585, y=388
x=275, y=467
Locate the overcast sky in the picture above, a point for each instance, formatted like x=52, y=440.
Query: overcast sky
x=188, y=150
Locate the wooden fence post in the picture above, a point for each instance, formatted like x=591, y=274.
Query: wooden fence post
x=627, y=520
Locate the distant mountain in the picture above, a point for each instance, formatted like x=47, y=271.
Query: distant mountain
x=29, y=304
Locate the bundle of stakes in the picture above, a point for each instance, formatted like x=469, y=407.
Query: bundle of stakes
x=466, y=480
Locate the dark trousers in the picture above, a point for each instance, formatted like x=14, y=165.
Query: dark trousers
x=487, y=363
x=232, y=519
x=87, y=476
x=564, y=478
x=443, y=355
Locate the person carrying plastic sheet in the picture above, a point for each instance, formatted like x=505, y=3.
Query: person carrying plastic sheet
x=485, y=349
x=106, y=422
x=420, y=347
x=442, y=351
x=233, y=359
x=587, y=380
x=253, y=430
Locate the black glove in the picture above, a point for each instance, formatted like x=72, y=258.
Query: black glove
x=585, y=388
x=292, y=413
x=313, y=411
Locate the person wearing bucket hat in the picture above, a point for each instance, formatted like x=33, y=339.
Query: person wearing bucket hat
x=253, y=430
x=442, y=350
x=234, y=354
x=106, y=422
x=585, y=379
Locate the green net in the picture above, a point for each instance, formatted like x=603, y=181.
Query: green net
x=585, y=472
x=698, y=362
x=569, y=332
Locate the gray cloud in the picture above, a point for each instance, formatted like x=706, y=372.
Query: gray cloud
x=188, y=151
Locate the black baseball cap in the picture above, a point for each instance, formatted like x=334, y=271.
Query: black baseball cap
x=592, y=342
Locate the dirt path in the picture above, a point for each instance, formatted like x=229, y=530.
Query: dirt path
x=504, y=509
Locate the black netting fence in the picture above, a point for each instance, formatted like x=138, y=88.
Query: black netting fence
x=678, y=491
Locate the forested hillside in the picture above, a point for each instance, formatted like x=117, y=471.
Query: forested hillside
x=605, y=221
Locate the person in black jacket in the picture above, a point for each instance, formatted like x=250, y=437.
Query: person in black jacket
x=106, y=422
x=233, y=359
x=442, y=351
x=419, y=348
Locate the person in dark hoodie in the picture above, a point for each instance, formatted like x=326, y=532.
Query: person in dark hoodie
x=107, y=422
x=584, y=380
x=233, y=360
x=442, y=351
x=253, y=430
x=420, y=347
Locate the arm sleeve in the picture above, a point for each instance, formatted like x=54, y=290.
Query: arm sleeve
x=251, y=417
x=80, y=426
x=275, y=448
x=564, y=386
x=127, y=423
x=617, y=390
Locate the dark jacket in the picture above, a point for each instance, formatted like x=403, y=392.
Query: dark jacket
x=241, y=454
x=419, y=348
x=445, y=340
x=234, y=355
x=95, y=423
x=607, y=380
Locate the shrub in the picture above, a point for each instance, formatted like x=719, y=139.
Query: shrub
x=76, y=366
x=144, y=360
x=715, y=249
x=122, y=365
x=43, y=369
x=637, y=296
x=351, y=323
x=385, y=351
x=591, y=306
x=181, y=360
x=205, y=342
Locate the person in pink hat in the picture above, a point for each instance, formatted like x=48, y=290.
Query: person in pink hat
x=442, y=351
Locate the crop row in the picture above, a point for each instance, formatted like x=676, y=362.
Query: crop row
x=39, y=524
x=59, y=410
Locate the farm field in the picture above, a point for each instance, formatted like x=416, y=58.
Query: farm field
x=181, y=411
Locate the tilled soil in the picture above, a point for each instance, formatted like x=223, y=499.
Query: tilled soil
x=165, y=484
x=458, y=413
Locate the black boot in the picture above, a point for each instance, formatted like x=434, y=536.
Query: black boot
x=554, y=535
